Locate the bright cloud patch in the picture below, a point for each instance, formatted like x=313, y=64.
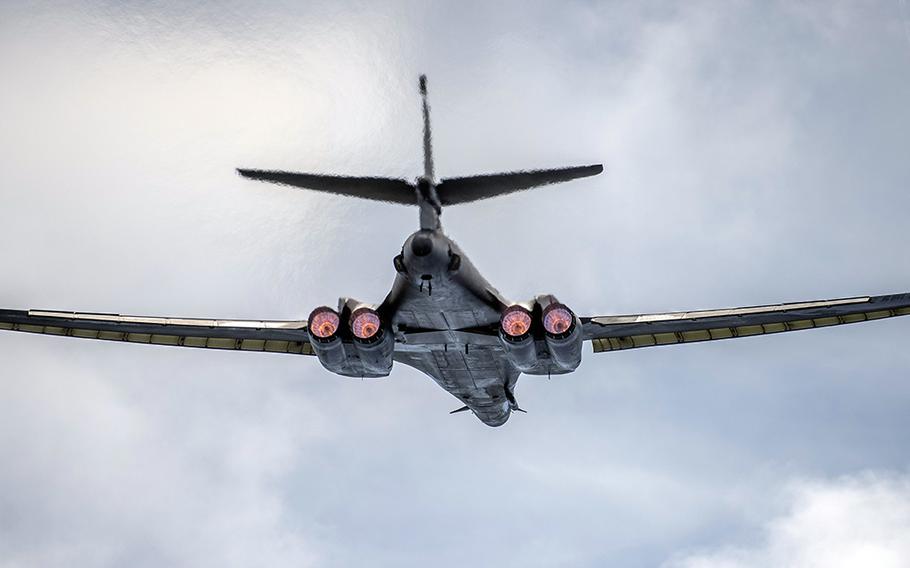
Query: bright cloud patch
x=856, y=521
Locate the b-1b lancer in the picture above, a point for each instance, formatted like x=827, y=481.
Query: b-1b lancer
x=441, y=316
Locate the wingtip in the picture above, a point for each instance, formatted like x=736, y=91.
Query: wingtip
x=422, y=82
x=250, y=174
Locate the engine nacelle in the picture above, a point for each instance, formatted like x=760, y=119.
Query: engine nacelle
x=562, y=332
x=373, y=343
x=364, y=349
x=324, y=328
x=516, y=338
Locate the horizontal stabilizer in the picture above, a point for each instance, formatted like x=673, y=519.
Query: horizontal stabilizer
x=453, y=191
x=376, y=188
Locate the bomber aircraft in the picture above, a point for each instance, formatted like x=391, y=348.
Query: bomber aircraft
x=441, y=316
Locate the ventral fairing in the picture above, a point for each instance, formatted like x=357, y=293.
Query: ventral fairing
x=441, y=316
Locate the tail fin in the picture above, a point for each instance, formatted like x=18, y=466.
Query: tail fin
x=427, y=133
x=453, y=191
x=426, y=193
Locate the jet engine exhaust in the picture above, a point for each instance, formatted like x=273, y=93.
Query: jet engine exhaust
x=558, y=319
x=516, y=339
x=516, y=322
x=365, y=324
x=323, y=322
x=323, y=326
x=373, y=345
x=563, y=336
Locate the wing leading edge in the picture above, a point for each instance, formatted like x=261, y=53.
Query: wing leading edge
x=615, y=333
x=238, y=335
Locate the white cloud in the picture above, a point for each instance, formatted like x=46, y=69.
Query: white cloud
x=849, y=522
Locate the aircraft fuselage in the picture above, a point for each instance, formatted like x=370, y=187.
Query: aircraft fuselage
x=443, y=310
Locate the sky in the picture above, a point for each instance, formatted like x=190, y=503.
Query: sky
x=754, y=153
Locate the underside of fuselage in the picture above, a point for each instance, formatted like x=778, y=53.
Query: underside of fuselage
x=440, y=307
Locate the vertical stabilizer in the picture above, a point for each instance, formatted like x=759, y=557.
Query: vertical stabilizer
x=427, y=134
x=428, y=193
x=427, y=199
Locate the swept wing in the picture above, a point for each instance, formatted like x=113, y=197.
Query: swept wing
x=614, y=333
x=238, y=335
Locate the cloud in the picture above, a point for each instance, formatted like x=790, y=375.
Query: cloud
x=755, y=153
x=100, y=474
x=852, y=521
